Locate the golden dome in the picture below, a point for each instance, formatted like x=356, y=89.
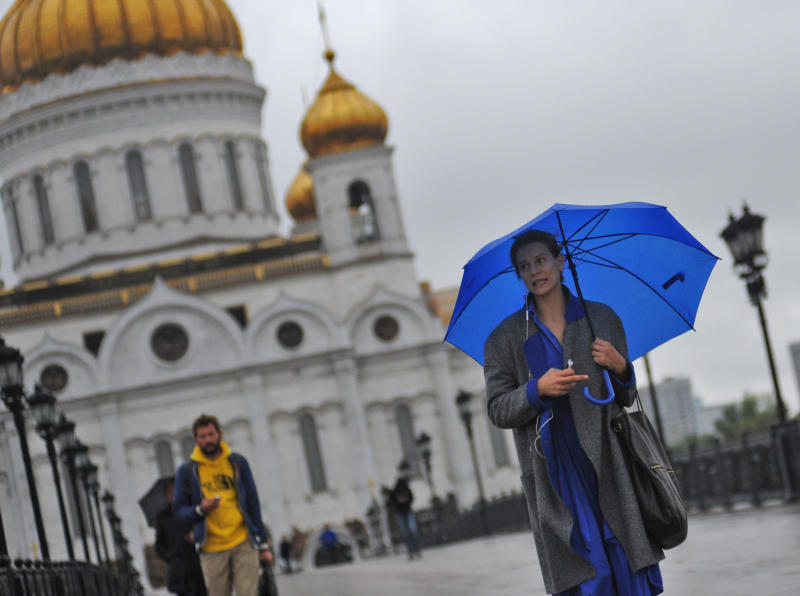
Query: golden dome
x=38, y=37
x=341, y=118
x=300, y=197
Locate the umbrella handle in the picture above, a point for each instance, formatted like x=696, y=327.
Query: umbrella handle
x=601, y=402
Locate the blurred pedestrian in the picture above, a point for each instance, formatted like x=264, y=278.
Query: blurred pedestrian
x=400, y=500
x=285, y=552
x=175, y=545
x=216, y=492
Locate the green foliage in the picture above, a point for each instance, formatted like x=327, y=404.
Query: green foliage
x=746, y=416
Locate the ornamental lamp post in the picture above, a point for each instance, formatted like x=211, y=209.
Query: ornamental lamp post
x=13, y=394
x=84, y=466
x=463, y=400
x=94, y=489
x=423, y=443
x=65, y=437
x=745, y=239
x=43, y=406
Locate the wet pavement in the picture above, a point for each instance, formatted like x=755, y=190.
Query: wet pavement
x=749, y=552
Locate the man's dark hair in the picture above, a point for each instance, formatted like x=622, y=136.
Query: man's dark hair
x=530, y=237
x=205, y=420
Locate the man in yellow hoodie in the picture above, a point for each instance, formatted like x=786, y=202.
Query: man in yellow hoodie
x=215, y=491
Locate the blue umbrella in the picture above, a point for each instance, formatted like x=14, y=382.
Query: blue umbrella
x=634, y=257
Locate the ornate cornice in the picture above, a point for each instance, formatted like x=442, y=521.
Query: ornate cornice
x=270, y=259
x=120, y=73
x=153, y=103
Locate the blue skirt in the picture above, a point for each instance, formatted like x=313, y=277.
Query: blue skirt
x=575, y=480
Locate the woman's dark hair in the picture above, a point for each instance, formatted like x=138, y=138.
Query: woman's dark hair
x=531, y=237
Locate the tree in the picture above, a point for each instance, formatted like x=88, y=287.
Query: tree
x=745, y=416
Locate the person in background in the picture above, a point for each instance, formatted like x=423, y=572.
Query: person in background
x=400, y=500
x=215, y=492
x=285, y=551
x=175, y=545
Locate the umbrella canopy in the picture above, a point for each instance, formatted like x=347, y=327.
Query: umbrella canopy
x=154, y=500
x=634, y=257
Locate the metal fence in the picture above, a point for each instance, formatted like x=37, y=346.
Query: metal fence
x=752, y=470
x=39, y=578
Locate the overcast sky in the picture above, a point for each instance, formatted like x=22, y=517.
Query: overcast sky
x=498, y=110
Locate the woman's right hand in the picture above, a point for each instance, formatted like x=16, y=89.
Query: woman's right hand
x=558, y=381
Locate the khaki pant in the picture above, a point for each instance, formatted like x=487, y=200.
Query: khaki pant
x=237, y=566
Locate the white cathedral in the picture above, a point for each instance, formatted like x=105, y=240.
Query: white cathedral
x=154, y=284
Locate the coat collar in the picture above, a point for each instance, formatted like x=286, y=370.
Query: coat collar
x=574, y=310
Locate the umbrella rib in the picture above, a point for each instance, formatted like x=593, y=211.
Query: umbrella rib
x=612, y=265
x=508, y=269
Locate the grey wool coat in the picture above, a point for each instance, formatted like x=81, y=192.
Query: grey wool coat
x=506, y=375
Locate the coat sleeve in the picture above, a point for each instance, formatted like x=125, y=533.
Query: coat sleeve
x=182, y=505
x=624, y=391
x=252, y=503
x=162, y=539
x=506, y=400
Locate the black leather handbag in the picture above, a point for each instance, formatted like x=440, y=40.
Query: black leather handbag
x=654, y=481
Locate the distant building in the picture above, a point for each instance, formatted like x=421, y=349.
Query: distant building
x=677, y=406
x=707, y=416
x=153, y=284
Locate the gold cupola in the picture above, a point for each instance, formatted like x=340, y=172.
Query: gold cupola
x=39, y=37
x=341, y=118
x=300, y=197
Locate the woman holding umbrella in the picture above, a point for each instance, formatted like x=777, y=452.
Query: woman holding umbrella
x=537, y=362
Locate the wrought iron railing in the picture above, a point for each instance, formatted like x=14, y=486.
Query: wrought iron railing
x=65, y=578
x=752, y=470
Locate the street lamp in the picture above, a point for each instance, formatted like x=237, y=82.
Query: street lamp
x=423, y=443
x=65, y=437
x=94, y=489
x=111, y=515
x=13, y=393
x=745, y=239
x=43, y=406
x=463, y=400
x=84, y=465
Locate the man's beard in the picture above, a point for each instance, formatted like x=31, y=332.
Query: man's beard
x=211, y=449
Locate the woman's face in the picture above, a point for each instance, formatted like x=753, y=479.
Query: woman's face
x=539, y=269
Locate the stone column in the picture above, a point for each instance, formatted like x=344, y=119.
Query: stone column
x=361, y=462
x=454, y=438
x=17, y=521
x=265, y=467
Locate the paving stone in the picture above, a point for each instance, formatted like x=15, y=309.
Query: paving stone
x=748, y=553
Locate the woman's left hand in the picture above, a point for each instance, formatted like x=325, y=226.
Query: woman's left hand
x=606, y=355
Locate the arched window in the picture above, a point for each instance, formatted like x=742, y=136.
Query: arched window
x=405, y=432
x=314, y=463
x=166, y=464
x=261, y=166
x=10, y=200
x=187, y=446
x=233, y=176
x=83, y=181
x=362, y=212
x=43, y=204
x=189, y=176
x=499, y=446
x=138, y=185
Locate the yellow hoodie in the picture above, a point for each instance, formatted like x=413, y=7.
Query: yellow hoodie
x=225, y=527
